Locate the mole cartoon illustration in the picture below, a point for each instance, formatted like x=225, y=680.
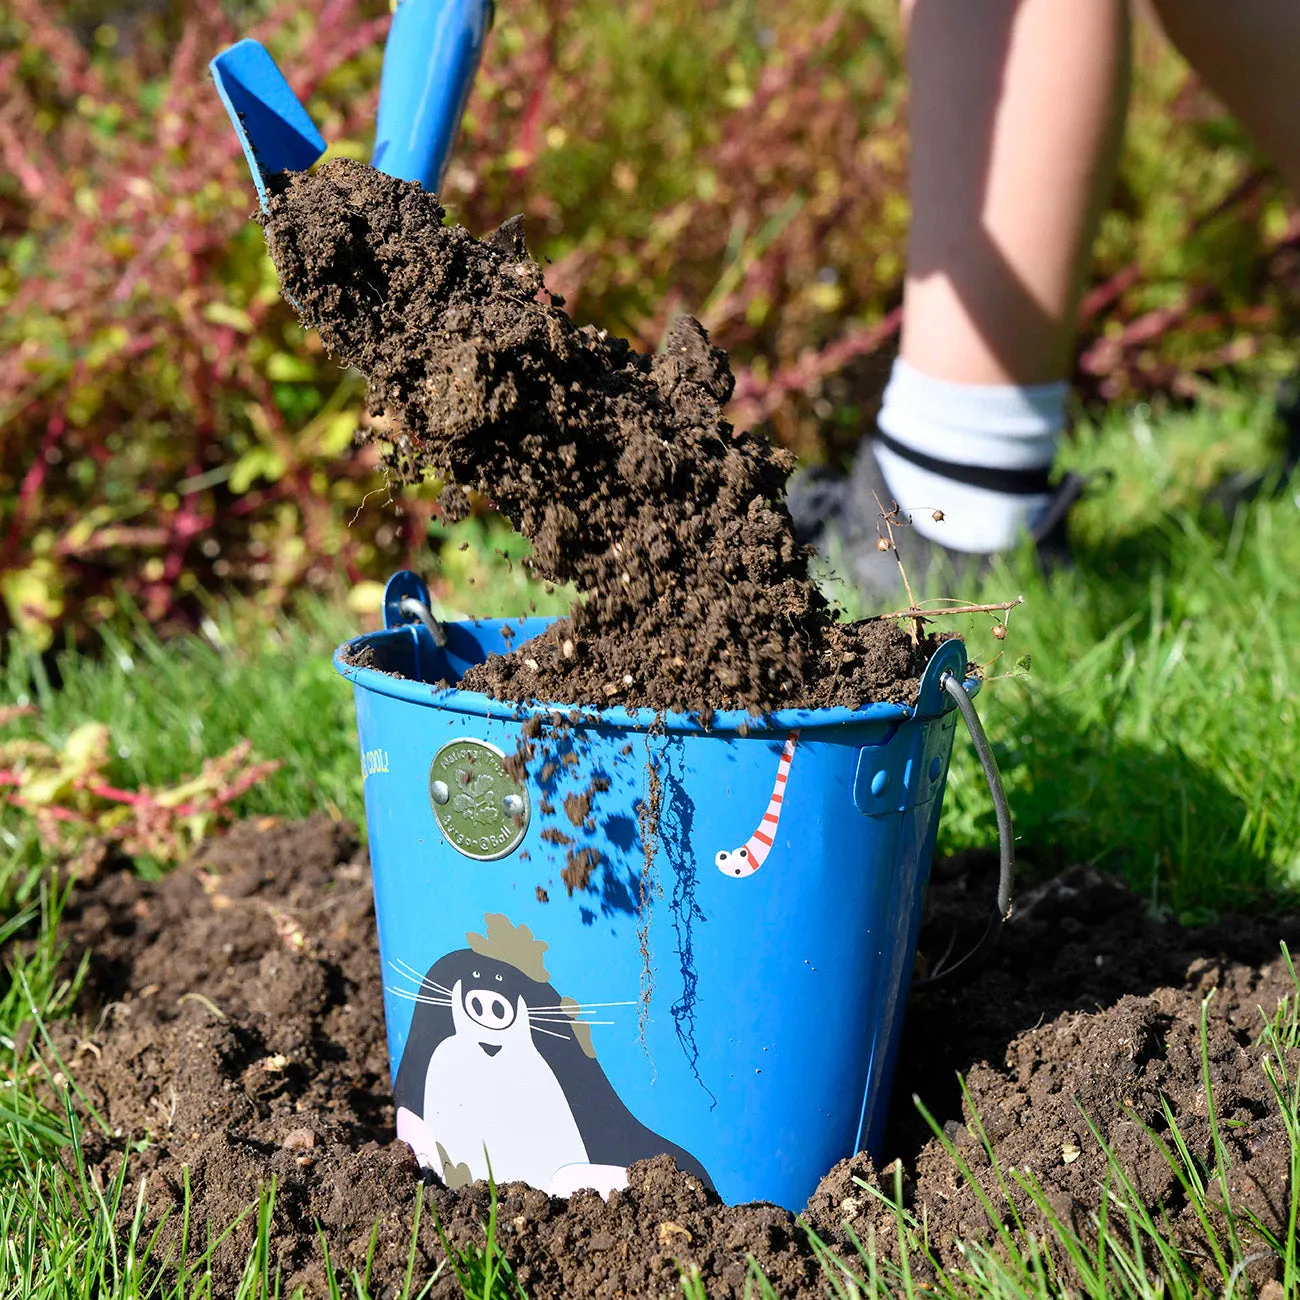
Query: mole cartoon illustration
x=751, y=855
x=499, y=1067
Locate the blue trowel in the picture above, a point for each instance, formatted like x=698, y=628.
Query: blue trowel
x=432, y=54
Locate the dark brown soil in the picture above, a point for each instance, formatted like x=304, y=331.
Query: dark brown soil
x=617, y=465
x=232, y=1013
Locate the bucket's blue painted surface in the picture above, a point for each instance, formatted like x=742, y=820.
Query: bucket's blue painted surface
x=757, y=1042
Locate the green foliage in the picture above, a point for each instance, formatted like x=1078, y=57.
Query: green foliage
x=165, y=425
x=1155, y=731
x=483, y=1271
x=150, y=744
x=1117, y=721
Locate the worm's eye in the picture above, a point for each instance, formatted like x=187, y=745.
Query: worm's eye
x=474, y=973
x=498, y=979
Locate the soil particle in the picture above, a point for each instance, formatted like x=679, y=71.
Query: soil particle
x=617, y=465
x=232, y=1014
x=577, y=807
x=579, y=864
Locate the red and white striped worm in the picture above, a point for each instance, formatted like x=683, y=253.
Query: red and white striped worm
x=751, y=855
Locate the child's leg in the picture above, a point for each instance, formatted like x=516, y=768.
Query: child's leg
x=1017, y=109
x=1248, y=52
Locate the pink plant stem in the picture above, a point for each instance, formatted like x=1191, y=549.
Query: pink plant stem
x=133, y=799
x=52, y=811
x=31, y=486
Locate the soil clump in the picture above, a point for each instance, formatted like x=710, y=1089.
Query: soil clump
x=232, y=1014
x=617, y=465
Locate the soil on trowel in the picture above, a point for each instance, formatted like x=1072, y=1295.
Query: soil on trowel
x=232, y=1017
x=617, y=465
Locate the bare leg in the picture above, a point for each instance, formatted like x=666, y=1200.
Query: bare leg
x=1017, y=112
x=1248, y=52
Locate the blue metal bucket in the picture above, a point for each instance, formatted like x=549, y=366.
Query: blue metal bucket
x=728, y=986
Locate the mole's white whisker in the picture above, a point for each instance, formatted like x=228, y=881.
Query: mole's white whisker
x=582, y=1006
x=558, y=1015
x=423, y=978
x=416, y=997
x=407, y=971
x=550, y=1033
x=545, y=1020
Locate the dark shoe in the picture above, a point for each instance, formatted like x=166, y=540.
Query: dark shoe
x=815, y=498
x=1050, y=534
x=871, y=514
x=848, y=515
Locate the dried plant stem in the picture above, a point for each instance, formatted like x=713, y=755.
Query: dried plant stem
x=887, y=517
x=925, y=615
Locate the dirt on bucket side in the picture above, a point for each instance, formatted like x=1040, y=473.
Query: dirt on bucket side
x=233, y=1016
x=618, y=466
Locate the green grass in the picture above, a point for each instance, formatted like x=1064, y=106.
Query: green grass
x=1154, y=734
x=62, y=1235
x=1157, y=732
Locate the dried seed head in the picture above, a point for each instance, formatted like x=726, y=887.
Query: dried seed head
x=999, y=631
x=883, y=544
x=937, y=516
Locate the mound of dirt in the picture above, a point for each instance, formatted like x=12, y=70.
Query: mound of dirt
x=618, y=466
x=232, y=1014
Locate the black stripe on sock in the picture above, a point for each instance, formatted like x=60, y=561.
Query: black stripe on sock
x=1015, y=482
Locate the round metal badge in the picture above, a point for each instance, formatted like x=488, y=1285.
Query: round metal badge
x=480, y=809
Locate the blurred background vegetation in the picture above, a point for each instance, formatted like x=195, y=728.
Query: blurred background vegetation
x=166, y=428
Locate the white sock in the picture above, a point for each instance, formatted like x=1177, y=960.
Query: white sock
x=979, y=453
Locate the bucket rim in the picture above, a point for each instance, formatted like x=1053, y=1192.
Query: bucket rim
x=737, y=722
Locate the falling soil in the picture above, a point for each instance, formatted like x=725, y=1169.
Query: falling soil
x=577, y=870
x=577, y=807
x=618, y=466
x=232, y=1014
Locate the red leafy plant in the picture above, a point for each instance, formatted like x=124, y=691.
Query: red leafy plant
x=166, y=427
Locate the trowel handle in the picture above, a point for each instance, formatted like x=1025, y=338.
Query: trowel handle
x=433, y=52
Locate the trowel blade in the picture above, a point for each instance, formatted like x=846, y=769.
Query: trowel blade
x=274, y=129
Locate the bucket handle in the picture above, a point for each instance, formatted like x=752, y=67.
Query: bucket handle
x=406, y=600
x=1006, y=842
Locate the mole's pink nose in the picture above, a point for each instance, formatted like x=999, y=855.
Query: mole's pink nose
x=489, y=1009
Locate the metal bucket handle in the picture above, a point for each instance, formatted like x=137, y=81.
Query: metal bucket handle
x=1006, y=843
x=406, y=600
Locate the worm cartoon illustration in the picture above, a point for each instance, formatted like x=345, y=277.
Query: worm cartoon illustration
x=751, y=855
x=499, y=1067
